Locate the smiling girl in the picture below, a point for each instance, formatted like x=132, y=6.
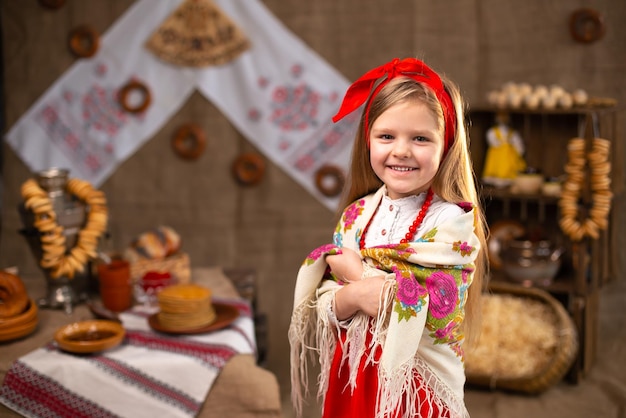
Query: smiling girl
x=388, y=303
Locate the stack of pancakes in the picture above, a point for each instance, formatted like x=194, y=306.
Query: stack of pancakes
x=185, y=307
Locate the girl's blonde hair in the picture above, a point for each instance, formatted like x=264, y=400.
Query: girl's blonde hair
x=454, y=182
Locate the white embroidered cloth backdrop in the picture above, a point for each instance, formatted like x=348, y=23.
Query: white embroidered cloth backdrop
x=279, y=93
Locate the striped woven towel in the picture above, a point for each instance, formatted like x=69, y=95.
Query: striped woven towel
x=149, y=375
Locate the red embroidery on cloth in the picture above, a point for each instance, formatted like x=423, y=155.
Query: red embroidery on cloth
x=254, y=114
x=305, y=163
x=263, y=82
x=84, y=125
x=100, y=111
x=214, y=355
x=101, y=69
x=28, y=391
x=243, y=306
x=314, y=153
x=145, y=383
x=296, y=70
x=22, y=384
x=294, y=108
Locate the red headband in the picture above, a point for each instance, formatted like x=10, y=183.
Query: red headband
x=413, y=68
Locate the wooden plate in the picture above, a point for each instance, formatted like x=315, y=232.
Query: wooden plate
x=29, y=313
x=89, y=336
x=225, y=315
x=18, y=331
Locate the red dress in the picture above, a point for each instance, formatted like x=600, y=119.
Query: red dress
x=341, y=402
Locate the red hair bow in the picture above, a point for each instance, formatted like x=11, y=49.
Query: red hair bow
x=360, y=90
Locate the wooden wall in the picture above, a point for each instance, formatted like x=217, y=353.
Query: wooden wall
x=272, y=227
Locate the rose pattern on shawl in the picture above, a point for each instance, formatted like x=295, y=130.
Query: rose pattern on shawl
x=351, y=213
x=447, y=328
x=327, y=249
x=462, y=247
x=451, y=335
x=443, y=292
x=444, y=333
x=409, y=295
x=444, y=289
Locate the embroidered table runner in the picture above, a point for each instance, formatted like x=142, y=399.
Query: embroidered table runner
x=149, y=375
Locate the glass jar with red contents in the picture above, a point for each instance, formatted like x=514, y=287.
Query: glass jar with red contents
x=147, y=288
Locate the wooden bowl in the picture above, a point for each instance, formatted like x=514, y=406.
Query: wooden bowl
x=527, y=183
x=89, y=336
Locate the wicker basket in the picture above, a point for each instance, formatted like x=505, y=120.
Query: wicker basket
x=177, y=265
x=555, y=367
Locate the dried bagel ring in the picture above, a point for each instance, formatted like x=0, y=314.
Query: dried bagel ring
x=329, y=180
x=84, y=41
x=125, y=92
x=189, y=141
x=586, y=25
x=248, y=169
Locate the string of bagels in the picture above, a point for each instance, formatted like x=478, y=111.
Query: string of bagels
x=56, y=257
x=597, y=217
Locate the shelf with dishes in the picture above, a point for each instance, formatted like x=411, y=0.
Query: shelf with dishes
x=529, y=242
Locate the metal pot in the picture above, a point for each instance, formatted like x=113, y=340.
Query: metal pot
x=531, y=263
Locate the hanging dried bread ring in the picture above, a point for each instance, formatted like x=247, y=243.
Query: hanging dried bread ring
x=189, y=141
x=329, y=180
x=586, y=25
x=13, y=295
x=248, y=169
x=130, y=87
x=84, y=41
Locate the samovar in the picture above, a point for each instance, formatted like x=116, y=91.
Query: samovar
x=62, y=292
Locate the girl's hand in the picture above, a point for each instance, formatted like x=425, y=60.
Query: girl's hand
x=347, y=267
x=363, y=295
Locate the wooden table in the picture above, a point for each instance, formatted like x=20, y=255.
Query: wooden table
x=242, y=390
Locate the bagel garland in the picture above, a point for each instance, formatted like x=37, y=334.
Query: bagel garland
x=601, y=195
x=56, y=257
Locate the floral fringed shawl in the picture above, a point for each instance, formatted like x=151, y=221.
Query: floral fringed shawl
x=418, y=326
